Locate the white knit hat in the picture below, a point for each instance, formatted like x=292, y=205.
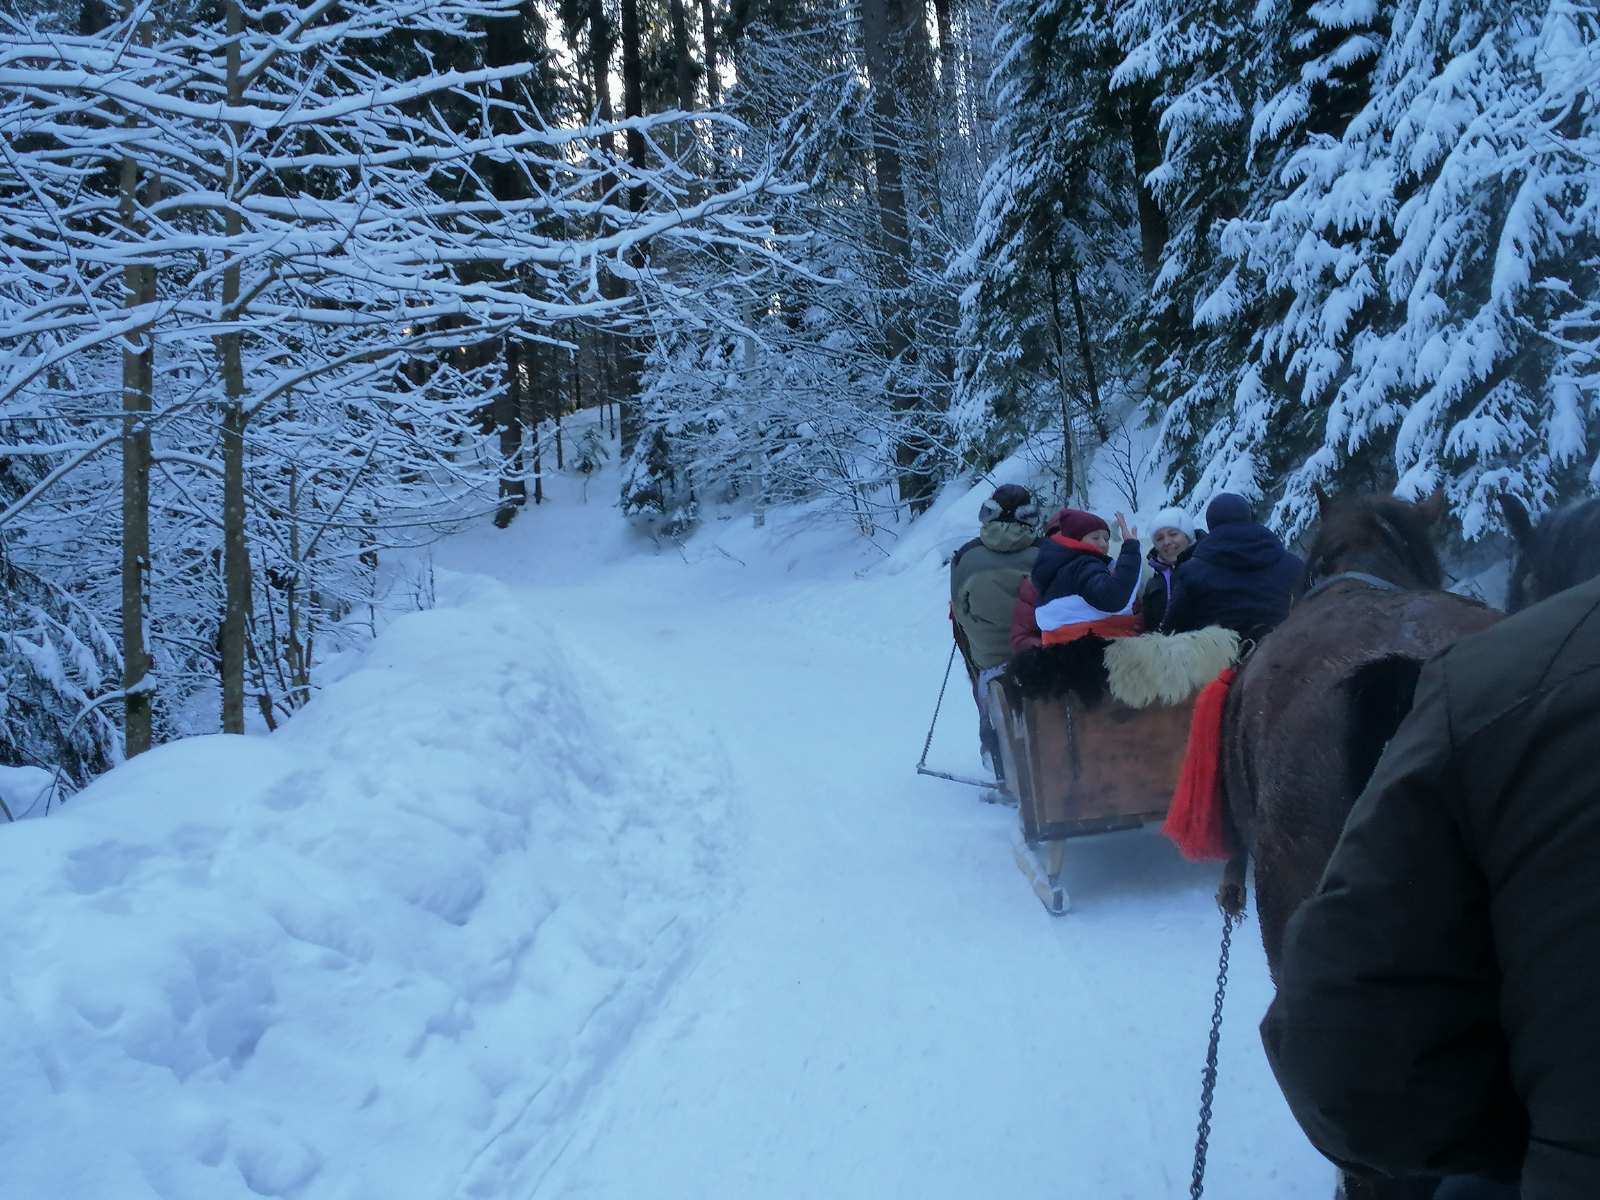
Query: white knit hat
x=1172, y=518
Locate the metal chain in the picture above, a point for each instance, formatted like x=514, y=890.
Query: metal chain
x=1208, y=1084
x=928, y=745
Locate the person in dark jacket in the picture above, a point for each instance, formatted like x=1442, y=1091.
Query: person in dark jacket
x=1172, y=540
x=1240, y=577
x=1438, y=995
x=1080, y=591
x=1025, y=632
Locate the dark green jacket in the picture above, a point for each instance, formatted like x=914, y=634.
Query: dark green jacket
x=985, y=576
x=1438, y=1009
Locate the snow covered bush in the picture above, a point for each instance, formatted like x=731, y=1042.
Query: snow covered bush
x=57, y=666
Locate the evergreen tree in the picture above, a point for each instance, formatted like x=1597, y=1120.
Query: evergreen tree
x=1427, y=238
x=1055, y=261
x=1197, y=57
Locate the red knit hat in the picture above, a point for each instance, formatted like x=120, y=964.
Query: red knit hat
x=1077, y=524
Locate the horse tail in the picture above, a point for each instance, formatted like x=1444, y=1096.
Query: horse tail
x=1379, y=696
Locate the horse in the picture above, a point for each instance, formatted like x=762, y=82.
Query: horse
x=1313, y=706
x=1561, y=552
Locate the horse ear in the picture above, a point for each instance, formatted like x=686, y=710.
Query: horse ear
x=1433, y=508
x=1517, y=519
x=1323, y=503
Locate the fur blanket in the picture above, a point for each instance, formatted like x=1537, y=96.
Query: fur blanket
x=1141, y=672
x=1167, y=668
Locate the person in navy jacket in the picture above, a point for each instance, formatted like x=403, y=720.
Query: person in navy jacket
x=1240, y=577
x=1080, y=590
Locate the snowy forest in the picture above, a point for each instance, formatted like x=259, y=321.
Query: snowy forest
x=292, y=287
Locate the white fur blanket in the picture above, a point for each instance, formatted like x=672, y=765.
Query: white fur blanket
x=1167, y=668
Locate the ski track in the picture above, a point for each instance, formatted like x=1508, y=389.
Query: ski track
x=881, y=1007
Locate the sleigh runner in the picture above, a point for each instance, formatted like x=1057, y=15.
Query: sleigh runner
x=1092, y=738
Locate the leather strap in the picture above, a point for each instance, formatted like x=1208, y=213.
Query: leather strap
x=1362, y=577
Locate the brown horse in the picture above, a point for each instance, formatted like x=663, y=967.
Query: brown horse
x=1314, y=705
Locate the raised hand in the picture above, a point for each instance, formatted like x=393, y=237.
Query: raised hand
x=1124, y=531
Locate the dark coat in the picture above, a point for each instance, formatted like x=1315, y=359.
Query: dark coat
x=1158, y=592
x=1069, y=568
x=1437, y=998
x=1240, y=577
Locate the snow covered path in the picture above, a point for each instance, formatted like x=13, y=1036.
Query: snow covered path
x=883, y=1009
x=610, y=876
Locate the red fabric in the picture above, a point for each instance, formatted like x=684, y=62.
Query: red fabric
x=1123, y=625
x=1197, y=822
x=1025, y=633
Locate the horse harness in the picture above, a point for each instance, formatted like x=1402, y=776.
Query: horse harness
x=1373, y=581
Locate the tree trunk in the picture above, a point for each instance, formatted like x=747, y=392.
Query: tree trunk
x=885, y=24
x=632, y=364
x=138, y=384
x=1068, y=476
x=235, y=553
x=298, y=641
x=577, y=402
x=602, y=45
x=93, y=16
x=682, y=57
x=534, y=398
x=506, y=44
x=683, y=139
x=947, y=57
x=708, y=34
x=508, y=419
x=759, y=457
x=1144, y=138
x=1097, y=413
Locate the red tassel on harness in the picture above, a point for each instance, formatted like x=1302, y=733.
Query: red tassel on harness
x=1196, y=822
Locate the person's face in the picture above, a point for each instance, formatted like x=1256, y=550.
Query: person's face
x=1099, y=539
x=1170, y=543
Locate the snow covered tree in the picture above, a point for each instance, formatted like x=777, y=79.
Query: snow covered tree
x=58, y=664
x=290, y=291
x=1196, y=58
x=1234, y=426
x=1056, y=263
x=796, y=371
x=1415, y=235
x=1495, y=227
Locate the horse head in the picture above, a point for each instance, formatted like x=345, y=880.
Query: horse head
x=1563, y=550
x=1380, y=536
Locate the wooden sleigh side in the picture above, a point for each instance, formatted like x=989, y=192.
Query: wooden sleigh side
x=1077, y=771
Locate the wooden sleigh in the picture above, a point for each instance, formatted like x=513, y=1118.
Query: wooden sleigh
x=1076, y=771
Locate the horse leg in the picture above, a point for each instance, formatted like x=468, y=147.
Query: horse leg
x=1279, y=890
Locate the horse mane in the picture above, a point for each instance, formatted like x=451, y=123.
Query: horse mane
x=1379, y=535
x=1563, y=550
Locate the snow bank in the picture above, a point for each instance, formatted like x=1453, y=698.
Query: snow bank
x=376, y=954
